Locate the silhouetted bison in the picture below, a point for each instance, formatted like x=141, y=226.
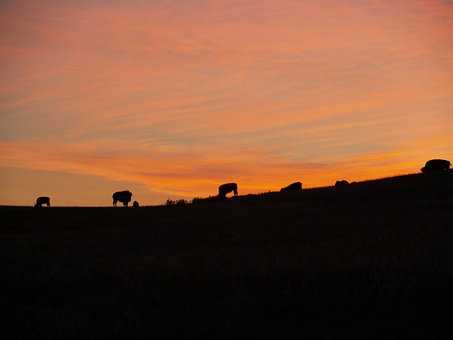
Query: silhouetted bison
x=341, y=184
x=122, y=196
x=136, y=204
x=226, y=188
x=296, y=186
x=436, y=165
x=42, y=200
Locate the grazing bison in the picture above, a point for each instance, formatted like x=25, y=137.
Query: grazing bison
x=436, y=165
x=136, y=204
x=226, y=188
x=341, y=184
x=296, y=186
x=42, y=200
x=122, y=196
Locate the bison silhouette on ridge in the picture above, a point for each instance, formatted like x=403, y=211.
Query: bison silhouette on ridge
x=341, y=183
x=226, y=188
x=123, y=197
x=42, y=200
x=436, y=165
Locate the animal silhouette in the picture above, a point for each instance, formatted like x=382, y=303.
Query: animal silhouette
x=123, y=197
x=436, y=165
x=42, y=200
x=136, y=204
x=226, y=188
x=341, y=184
x=296, y=186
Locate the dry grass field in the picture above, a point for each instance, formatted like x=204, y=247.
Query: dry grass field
x=370, y=261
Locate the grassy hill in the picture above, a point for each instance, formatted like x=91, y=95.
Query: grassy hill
x=373, y=260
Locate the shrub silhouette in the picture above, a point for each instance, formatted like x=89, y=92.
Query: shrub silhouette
x=199, y=200
x=296, y=186
x=123, y=197
x=181, y=202
x=136, y=204
x=226, y=188
x=42, y=200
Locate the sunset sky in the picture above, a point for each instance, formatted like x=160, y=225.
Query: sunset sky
x=171, y=98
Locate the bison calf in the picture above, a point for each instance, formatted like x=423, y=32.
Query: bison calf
x=42, y=200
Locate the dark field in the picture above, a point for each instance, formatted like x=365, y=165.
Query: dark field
x=374, y=260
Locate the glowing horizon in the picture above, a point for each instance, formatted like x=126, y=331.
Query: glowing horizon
x=171, y=99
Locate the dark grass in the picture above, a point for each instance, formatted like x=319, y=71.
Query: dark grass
x=371, y=261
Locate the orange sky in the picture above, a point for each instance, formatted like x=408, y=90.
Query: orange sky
x=169, y=99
